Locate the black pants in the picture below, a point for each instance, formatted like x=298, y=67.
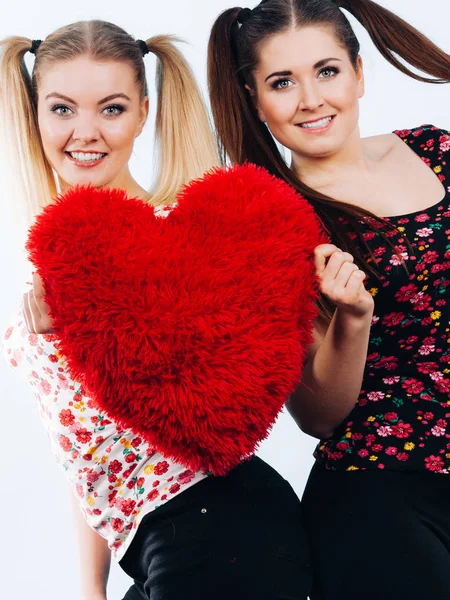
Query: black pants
x=239, y=537
x=379, y=535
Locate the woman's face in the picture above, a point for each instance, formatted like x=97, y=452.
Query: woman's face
x=307, y=91
x=89, y=114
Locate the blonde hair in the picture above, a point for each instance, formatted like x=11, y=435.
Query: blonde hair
x=185, y=141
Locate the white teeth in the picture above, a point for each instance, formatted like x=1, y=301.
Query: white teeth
x=86, y=156
x=316, y=124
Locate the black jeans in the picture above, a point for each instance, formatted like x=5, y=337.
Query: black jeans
x=239, y=537
x=379, y=535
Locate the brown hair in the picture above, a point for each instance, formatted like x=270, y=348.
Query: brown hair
x=185, y=140
x=233, y=57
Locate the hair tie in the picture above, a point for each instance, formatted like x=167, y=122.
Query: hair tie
x=143, y=46
x=35, y=45
x=244, y=15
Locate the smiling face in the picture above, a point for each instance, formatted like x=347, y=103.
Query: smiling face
x=89, y=115
x=307, y=91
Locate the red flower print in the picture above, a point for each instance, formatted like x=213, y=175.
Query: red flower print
x=391, y=450
x=136, y=442
x=187, y=476
x=434, y=463
x=413, y=386
x=140, y=482
x=117, y=525
x=161, y=468
x=402, y=430
x=391, y=416
x=406, y=292
x=393, y=319
x=53, y=358
x=92, y=477
x=430, y=257
x=151, y=496
x=8, y=333
x=174, y=488
x=403, y=456
x=65, y=443
x=115, y=466
x=83, y=435
x=66, y=418
x=129, y=458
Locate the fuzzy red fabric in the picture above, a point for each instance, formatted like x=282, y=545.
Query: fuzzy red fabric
x=192, y=329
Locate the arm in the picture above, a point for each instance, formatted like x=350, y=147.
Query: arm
x=95, y=558
x=333, y=373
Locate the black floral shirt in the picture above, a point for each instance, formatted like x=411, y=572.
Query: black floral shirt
x=402, y=418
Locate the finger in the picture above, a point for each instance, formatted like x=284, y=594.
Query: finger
x=334, y=265
x=321, y=254
x=355, y=283
x=34, y=312
x=38, y=285
x=345, y=272
x=26, y=313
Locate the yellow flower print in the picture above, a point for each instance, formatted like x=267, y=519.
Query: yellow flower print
x=409, y=446
x=91, y=501
x=373, y=291
x=373, y=458
x=435, y=315
x=371, y=419
x=437, y=169
x=149, y=469
x=352, y=468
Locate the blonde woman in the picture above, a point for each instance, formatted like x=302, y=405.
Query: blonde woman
x=177, y=533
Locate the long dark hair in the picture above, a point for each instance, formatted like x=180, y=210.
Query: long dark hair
x=233, y=57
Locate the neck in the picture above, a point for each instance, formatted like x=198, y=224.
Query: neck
x=323, y=172
x=123, y=181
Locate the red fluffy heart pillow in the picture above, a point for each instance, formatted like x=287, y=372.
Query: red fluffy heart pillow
x=192, y=329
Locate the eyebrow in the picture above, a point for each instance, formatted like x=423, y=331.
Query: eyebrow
x=319, y=64
x=102, y=101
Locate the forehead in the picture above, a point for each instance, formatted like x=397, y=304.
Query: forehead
x=299, y=48
x=83, y=77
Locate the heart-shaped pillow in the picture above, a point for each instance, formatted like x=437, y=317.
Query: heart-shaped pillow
x=191, y=329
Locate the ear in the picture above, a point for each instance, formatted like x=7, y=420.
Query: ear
x=143, y=116
x=253, y=95
x=360, y=77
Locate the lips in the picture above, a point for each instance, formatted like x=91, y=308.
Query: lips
x=86, y=159
x=317, y=124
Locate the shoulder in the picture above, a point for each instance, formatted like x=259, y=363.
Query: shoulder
x=425, y=138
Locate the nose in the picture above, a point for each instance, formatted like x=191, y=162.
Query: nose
x=310, y=97
x=86, y=129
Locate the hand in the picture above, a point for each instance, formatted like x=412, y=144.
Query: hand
x=342, y=281
x=35, y=309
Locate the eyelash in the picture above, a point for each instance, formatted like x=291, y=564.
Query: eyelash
x=118, y=108
x=276, y=84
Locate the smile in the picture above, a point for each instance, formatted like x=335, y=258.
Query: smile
x=319, y=124
x=86, y=159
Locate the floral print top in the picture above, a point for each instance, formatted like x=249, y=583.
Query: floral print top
x=402, y=418
x=116, y=476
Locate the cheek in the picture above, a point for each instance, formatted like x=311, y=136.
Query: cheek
x=120, y=134
x=54, y=134
x=344, y=96
x=279, y=109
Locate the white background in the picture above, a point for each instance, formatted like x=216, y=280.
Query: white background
x=38, y=557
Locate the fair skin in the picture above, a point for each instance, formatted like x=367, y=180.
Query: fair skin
x=307, y=91
x=89, y=115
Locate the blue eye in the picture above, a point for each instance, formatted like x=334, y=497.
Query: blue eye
x=61, y=109
x=113, y=110
x=281, y=84
x=328, y=72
